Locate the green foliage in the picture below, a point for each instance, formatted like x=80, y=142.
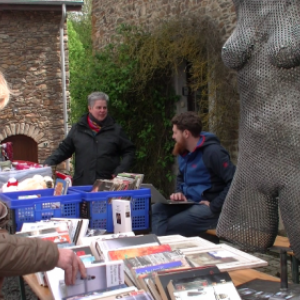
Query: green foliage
x=136, y=70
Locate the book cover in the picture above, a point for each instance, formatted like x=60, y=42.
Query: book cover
x=101, y=277
x=138, y=178
x=59, y=228
x=165, y=239
x=155, y=259
x=43, y=224
x=81, y=250
x=131, y=252
x=114, y=294
x=208, y=287
x=77, y=228
x=104, y=245
x=225, y=257
x=61, y=187
x=121, y=210
x=162, y=278
x=190, y=243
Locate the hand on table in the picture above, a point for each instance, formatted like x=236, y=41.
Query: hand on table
x=71, y=264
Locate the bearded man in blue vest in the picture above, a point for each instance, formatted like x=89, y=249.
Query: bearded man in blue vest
x=205, y=175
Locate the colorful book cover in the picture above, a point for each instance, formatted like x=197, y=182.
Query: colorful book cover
x=149, y=269
x=61, y=187
x=132, y=252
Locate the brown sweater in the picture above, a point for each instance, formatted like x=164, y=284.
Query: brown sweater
x=21, y=255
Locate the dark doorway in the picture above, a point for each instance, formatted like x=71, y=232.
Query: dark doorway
x=24, y=147
x=197, y=100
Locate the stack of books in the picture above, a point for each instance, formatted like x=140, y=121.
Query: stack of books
x=151, y=267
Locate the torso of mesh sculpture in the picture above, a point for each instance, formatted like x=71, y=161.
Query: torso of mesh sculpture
x=265, y=50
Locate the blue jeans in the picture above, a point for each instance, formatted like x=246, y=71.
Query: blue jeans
x=186, y=220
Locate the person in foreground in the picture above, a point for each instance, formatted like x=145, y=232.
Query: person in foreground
x=102, y=150
x=20, y=255
x=205, y=175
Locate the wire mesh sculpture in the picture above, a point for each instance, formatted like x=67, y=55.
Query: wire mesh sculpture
x=265, y=50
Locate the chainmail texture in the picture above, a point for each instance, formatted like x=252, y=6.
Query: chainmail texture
x=265, y=50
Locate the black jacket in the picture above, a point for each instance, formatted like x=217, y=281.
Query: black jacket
x=96, y=155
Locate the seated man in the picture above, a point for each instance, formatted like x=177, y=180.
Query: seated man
x=205, y=175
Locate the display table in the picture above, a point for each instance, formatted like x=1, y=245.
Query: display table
x=238, y=277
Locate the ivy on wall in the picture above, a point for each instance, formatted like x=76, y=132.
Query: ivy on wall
x=137, y=69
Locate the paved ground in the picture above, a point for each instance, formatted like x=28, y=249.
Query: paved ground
x=11, y=286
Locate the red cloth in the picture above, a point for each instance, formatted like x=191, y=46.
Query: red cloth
x=94, y=126
x=7, y=151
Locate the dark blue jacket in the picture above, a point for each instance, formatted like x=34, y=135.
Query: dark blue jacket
x=206, y=173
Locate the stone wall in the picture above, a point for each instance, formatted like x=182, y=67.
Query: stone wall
x=30, y=60
x=107, y=15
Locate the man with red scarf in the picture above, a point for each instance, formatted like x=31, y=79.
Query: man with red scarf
x=102, y=149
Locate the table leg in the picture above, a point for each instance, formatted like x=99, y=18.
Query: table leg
x=22, y=288
x=295, y=269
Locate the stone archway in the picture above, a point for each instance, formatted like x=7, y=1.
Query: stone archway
x=25, y=139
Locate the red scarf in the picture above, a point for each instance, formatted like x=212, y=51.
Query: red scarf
x=93, y=125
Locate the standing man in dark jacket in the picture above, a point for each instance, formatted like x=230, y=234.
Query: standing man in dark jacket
x=102, y=150
x=205, y=175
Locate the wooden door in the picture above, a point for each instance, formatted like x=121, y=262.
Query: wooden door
x=24, y=148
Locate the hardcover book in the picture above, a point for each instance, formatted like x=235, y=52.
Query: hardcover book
x=208, y=287
x=162, y=279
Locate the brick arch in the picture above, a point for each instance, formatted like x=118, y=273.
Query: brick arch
x=22, y=129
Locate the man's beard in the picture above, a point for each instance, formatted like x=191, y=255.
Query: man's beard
x=179, y=149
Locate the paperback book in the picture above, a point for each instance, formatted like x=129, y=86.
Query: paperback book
x=132, y=252
x=139, y=265
x=122, y=221
x=61, y=187
x=101, y=277
x=103, y=246
x=78, y=228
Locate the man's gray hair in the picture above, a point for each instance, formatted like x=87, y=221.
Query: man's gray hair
x=93, y=97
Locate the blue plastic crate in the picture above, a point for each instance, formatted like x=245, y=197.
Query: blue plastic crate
x=43, y=208
x=99, y=210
